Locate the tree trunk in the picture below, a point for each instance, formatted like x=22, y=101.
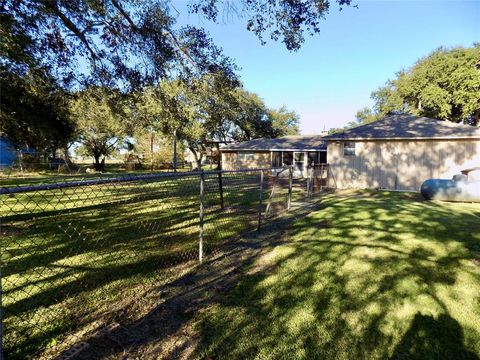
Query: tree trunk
x=198, y=159
x=98, y=166
x=199, y=163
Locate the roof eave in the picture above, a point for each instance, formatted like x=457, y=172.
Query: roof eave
x=405, y=138
x=277, y=149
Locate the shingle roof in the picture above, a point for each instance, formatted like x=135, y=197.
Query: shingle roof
x=408, y=127
x=290, y=143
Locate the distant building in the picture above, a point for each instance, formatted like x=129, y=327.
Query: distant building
x=296, y=151
x=396, y=152
x=7, y=153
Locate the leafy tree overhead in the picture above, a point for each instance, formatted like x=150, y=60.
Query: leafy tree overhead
x=283, y=20
x=443, y=85
x=101, y=117
x=121, y=42
x=129, y=42
x=176, y=78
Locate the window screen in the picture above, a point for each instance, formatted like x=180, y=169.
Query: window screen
x=299, y=156
x=312, y=157
x=349, y=149
x=323, y=157
x=246, y=156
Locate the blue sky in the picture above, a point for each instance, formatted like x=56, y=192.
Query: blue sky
x=358, y=49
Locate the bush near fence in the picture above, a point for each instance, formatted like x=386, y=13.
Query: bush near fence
x=77, y=256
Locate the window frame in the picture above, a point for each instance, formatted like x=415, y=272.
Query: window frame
x=277, y=155
x=245, y=156
x=349, y=149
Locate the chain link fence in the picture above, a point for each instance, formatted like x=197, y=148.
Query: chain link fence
x=77, y=256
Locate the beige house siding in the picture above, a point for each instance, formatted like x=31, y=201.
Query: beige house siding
x=231, y=161
x=400, y=164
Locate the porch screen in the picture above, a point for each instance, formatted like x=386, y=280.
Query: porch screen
x=312, y=158
x=288, y=158
x=323, y=157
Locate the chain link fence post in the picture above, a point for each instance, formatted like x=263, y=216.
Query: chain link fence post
x=290, y=185
x=260, y=202
x=202, y=206
x=310, y=182
x=220, y=189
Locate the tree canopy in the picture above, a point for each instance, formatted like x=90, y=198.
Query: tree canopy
x=443, y=85
x=101, y=118
x=210, y=111
x=132, y=43
x=284, y=20
x=98, y=71
x=34, y=112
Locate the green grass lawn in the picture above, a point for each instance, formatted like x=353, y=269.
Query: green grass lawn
x=368, y=275
x=76, y=259
x=15, y=178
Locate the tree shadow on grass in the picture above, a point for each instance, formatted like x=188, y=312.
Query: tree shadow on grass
x=180, y=301
x=70, y=256
x=349, y=282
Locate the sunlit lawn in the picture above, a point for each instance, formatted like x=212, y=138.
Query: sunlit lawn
x=366, y=276
x=76, y=259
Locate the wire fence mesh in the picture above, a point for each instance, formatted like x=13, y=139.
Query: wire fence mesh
x=77, y=256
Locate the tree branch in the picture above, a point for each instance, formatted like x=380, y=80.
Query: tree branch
x=52, y=5
x=125, y=14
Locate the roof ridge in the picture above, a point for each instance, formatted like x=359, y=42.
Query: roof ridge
x=408, y=126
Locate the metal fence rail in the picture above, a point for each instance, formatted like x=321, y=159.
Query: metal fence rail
x=77, y=256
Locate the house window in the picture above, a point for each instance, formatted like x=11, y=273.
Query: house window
x=241, y=156
x=287, y=158
x=277, y=159
x=349, y=149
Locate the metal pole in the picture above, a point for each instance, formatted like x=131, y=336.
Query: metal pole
x=327, y=173
x=260, y=202
x=308, y=182
x=321, y=177
x=220, y=180
x=313, y=180
x=290, y=183
x=269, y=205
x=175, y=150
x=202, y=198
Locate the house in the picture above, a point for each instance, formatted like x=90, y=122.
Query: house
x=396, y=152
x=401, y=151
x=296, y=151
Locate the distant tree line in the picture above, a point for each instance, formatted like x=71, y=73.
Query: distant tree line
x=38, y=115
